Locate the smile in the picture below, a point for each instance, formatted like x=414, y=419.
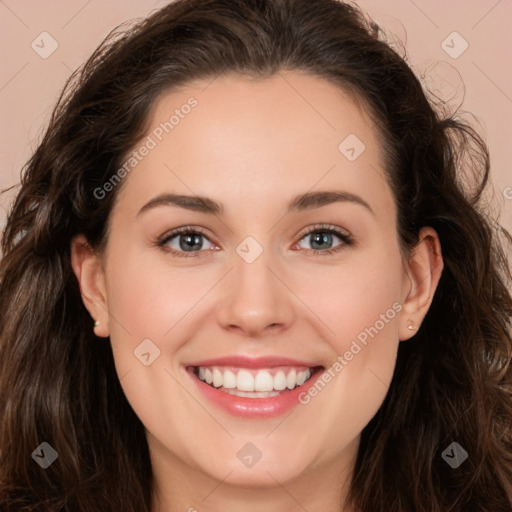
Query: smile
x=253, y=387
x=253, y=383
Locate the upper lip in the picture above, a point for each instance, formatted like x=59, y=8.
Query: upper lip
x=252, y=362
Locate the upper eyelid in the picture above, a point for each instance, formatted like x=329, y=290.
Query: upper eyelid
x=181, y=231
x=325, y=227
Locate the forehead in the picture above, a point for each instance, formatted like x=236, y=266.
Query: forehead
x=252, y=139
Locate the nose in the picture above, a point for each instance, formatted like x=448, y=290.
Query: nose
x=257, y=300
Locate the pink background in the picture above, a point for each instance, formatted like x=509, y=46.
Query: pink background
x=481, y=75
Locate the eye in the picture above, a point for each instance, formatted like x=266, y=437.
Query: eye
x=190, y=241
x=321, y=239
x=186, y=241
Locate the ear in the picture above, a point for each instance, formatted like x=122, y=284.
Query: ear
x=88, y=269
x=424, y=268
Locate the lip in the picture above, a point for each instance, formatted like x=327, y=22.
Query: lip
x=253, y=408
x=252, y=362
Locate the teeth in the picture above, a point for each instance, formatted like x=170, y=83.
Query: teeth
x=244, y=381
x=280, y=381
x=263, y=381
x=302, y=377
x=255, y=394
x=229, y=380
x=217, y=378
x=291, y=380
x=254, y=383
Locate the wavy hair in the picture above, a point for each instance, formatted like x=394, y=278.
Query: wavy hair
x=58, y=383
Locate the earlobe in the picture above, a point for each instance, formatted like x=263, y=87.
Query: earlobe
x=88, y=270
x=424, y=268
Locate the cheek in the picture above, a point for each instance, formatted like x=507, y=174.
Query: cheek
x=148, y=298
x=143, y=305
x=360, y=305
x=151, y=312
x=153, y=309
x=359, y=299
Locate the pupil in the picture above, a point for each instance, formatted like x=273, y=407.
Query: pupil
x=320, y=238
x=190, y=241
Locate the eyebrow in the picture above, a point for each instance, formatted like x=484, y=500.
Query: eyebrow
x=307, y=201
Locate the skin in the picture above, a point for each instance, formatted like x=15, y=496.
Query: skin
x=253, y=145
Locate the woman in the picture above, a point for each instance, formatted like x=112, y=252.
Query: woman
x=174, y=334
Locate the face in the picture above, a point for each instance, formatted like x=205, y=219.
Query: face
x=288, y=269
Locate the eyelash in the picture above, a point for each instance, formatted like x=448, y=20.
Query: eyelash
x=346, y=239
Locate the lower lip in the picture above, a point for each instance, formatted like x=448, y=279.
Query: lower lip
x=254, y=408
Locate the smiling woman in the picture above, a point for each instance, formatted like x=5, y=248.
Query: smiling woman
x=292, y=300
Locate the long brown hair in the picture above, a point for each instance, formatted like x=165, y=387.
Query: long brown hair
x=453, y=381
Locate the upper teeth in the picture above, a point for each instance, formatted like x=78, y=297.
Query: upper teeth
x=255, y=380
